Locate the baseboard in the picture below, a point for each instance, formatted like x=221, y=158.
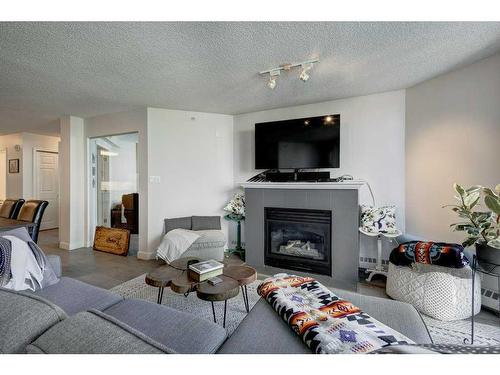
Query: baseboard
x=68, y=246
x=64, y=245
x=146, y=255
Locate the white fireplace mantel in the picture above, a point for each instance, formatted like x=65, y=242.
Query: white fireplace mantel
x=345, y=185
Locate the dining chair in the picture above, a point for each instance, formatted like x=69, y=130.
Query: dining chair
x=10, y=208
x=32, y=211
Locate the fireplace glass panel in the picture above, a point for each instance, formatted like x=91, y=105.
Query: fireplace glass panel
x=298, y=239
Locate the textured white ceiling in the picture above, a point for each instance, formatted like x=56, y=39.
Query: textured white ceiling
x=86, y=69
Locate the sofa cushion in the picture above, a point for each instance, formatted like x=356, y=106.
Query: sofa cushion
x=74, y=296
x=94, y=333
x=178, y=223
x=23, y=318
x=264, y=332
x=208, y=239
x=180, y=331
x=205, y=222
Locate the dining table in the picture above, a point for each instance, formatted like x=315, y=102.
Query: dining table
x=7, y=224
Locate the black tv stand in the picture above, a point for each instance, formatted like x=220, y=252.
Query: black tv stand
x=275, y=175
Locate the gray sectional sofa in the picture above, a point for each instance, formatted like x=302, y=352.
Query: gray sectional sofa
x=74, y=317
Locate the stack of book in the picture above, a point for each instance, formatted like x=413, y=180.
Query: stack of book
x=205, y=270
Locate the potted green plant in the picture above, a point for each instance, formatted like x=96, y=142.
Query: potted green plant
x=481, y=223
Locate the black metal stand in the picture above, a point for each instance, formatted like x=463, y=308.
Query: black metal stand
x=244, y=292
x=159, y=299
x=486, y=268
x=225, y=310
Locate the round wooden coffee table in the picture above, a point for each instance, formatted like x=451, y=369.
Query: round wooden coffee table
x=244, y=275
x=176, y=277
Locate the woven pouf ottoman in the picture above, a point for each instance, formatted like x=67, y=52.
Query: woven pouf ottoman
x=440, y=292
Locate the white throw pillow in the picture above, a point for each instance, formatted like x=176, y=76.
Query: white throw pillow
x=378, y=219
x=174, y=243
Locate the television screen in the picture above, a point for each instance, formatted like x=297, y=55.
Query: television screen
x=312, y=142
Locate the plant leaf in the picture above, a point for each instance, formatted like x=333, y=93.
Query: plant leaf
x=459, y=189
x=489, y=192
x=493, y=203
x=471, y=199
x=469, y=241
x=474, y=188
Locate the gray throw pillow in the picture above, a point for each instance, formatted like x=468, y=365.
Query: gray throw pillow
x=21, y=233
x=178, y=223
x=206, y=222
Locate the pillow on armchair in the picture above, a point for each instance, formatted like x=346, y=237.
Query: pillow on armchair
x=206, y=223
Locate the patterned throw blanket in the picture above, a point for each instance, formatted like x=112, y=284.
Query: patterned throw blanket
x=326, y=323
x=5, y=255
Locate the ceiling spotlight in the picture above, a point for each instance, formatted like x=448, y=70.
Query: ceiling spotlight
x=275, y=72
x=272, y=83
x=273, y=75
x=304, y=76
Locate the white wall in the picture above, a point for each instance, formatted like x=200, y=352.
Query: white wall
x=14, y=183
x=192, y=154
x=452, y=135
x=123, y=167
x=72, y=183
x=31, y=142
x=20, y=185
x=371, y=148
x=121, y=123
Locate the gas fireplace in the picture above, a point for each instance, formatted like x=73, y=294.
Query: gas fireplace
x=298, y=239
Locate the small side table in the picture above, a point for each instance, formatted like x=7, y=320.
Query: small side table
x=379, y=268
x=485, y=268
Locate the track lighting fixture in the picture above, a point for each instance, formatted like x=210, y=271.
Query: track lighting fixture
x=275, y=72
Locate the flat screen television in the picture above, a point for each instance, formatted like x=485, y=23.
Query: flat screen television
x=305, y=143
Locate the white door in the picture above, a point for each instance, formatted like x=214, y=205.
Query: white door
x=46, y=186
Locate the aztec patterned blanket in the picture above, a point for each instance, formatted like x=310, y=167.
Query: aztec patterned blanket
x=438, y=253
x=326, y=323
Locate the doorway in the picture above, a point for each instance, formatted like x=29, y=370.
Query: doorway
x=113, y=181
x=46, y=185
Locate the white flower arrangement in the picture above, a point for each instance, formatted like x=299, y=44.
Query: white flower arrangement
x=236, y=207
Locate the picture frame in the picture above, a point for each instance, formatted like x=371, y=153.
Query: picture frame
x=13, y=165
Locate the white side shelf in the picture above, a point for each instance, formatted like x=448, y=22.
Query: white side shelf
x=346, y=185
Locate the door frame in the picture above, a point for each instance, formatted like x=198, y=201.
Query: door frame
x=91, y=198
x=34, y=186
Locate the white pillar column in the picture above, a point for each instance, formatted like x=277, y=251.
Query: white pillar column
x=72, y=183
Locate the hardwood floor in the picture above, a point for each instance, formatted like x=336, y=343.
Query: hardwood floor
x=94, y=267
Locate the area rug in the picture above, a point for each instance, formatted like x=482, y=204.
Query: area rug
x=456, y=331
x=441, y=332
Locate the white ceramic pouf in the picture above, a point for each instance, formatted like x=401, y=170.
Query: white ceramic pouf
x=440, y=292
